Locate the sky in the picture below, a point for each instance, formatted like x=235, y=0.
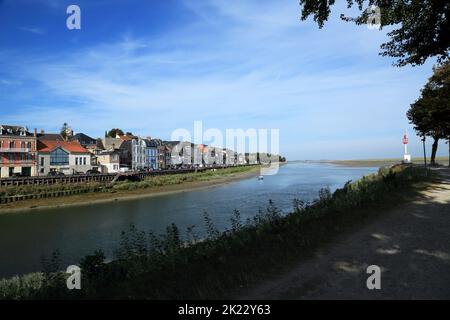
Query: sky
x=151, y=67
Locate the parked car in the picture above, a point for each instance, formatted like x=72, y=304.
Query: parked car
x=18, y=175
x=92, y=172
x=56, y=174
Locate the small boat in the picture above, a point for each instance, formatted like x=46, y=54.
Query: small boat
x=261, y=178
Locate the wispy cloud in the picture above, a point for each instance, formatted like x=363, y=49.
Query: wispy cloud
x=249, y=64
x=33, y=30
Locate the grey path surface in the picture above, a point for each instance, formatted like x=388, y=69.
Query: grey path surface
x=411, y=245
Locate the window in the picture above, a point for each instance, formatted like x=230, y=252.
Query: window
x=76, y=161
x=11, y=144
x=84, y=161
x=59, y=157
x=22, y=144
x=29, y=145
x=42, y=161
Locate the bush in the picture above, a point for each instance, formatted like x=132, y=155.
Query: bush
x=148, y=266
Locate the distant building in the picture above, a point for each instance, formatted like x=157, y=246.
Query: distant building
x=149, y=154
x=50, y=136
x=109, y=161
x=17, y=151
x=164, y=156
x=152, y=153
x=122, y=146
x=86, y=141
x=138, y=154
x=178, y=150
x=68, y=157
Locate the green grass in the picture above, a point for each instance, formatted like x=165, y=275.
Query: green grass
x=385, y=162
x=26, y=192
x=173, y=179
x=147, y=266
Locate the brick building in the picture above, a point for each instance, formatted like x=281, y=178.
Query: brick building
x=17, y=151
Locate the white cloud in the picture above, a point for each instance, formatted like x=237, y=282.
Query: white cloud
x=250, y=64
x=33, y=30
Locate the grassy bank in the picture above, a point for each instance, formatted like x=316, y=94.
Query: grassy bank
x=443, y=161
x=170, y=266
x=36, y=196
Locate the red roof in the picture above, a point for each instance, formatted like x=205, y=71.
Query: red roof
x=126, y=138
x=70, y=146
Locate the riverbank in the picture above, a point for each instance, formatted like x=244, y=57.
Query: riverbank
x=126, y=191
x=410, y=243
x=443, y=161
x=148, y=266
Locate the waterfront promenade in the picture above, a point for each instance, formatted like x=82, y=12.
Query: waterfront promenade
x=410, y=243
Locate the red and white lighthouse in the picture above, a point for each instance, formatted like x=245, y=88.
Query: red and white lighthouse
x=406, y=156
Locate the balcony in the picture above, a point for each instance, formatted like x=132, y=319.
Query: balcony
x=15, y=150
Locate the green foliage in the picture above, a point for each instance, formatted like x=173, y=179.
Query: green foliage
x=26, y=192
x=148, y=266
x=63, y=131
x=211, y=230
x=236, y=223
x=420, y=31
x=23, y=287
x=114, y=132
x=430, y=114
x=36, y=190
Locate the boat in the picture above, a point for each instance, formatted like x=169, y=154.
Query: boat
x=261, y=178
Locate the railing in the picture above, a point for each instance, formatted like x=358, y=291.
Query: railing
x=45, y=180
x=19, y=150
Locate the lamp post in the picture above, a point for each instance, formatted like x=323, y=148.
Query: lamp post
x=424, y=154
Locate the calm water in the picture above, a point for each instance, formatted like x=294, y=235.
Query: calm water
x=77, y=231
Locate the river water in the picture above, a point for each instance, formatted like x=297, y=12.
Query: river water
x=80, y=230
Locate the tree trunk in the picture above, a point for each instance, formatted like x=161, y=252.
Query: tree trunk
x=434, y=151
x=449, y=152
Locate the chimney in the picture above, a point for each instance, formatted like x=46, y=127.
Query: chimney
x=35, y=132
x=42, y=131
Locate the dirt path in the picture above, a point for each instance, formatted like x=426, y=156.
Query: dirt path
x=411, y=245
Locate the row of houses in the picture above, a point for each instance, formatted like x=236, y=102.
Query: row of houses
x=25, y=153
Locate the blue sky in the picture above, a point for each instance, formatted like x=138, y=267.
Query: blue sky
x=154, y=66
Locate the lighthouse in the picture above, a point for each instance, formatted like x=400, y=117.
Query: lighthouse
x=406, y=156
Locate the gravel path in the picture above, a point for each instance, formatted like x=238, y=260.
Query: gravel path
x=411, y=245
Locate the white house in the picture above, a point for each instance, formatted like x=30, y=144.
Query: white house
x=68, y=157
x=109, y=161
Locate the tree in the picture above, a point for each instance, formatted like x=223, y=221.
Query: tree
x=430, y=114
x=114, y=132
x=63, y=130
x=421, y=26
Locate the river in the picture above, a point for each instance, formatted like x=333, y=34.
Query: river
x=80, y=230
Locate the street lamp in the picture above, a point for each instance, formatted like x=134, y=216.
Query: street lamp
x=424, y=154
